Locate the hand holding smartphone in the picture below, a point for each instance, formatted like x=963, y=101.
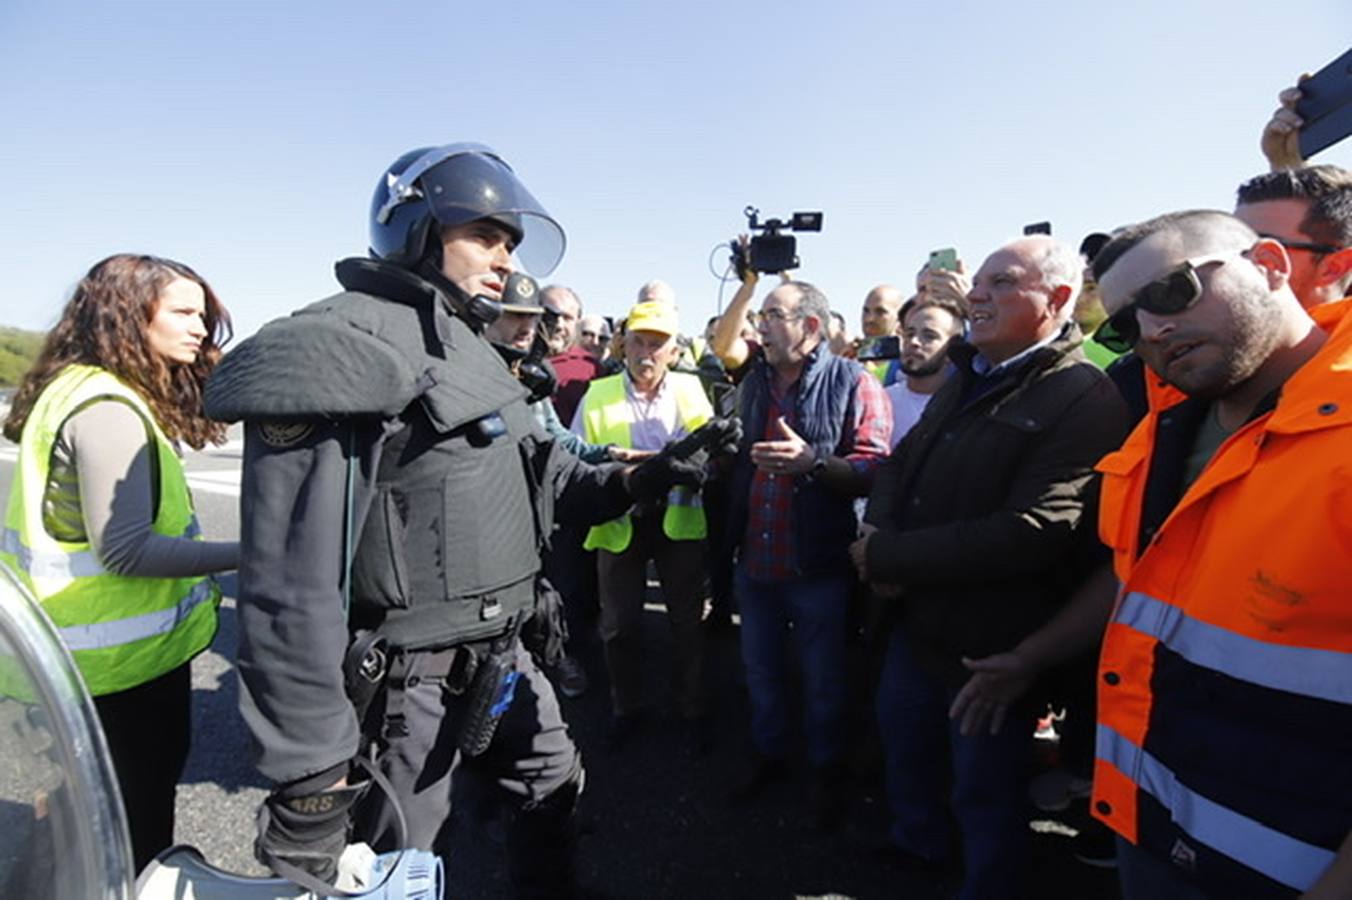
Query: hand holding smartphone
x=1325, y=105
x=945, y=260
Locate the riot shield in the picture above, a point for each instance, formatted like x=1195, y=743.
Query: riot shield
x=60, y=810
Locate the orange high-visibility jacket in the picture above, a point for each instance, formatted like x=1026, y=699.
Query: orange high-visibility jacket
x=1225, y=681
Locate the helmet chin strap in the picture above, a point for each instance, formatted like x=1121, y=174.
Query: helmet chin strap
x=477, y=311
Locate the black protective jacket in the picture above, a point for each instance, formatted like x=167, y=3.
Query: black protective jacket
x=448, y=502
x=986, y=508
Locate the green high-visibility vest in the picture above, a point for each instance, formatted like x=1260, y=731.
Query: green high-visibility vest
x=607, y=416
x=122, y=630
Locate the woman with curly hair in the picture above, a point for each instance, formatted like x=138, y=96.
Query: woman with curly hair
x=100, y=522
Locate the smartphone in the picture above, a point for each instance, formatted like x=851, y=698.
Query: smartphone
x=886, y=347
x=1326, y=106
x=1038, y=228
x=945, y=260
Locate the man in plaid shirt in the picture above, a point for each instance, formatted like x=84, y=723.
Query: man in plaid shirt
x=817, y=425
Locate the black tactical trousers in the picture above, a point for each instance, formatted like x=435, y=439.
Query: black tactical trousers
x=532, y=759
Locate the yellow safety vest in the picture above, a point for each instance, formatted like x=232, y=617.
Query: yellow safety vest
x=122, y=630
x=607, y=417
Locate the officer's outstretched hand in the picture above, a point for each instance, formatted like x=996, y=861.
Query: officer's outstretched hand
x=650, y=480
x=685, y=461
x=307, y=831
x=539, y=378
x=720, y=436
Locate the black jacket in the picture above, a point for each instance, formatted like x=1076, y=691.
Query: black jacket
x=986, y=510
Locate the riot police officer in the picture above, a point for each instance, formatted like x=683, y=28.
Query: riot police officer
x=396, y=488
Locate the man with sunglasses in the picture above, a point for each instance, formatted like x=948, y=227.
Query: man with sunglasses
x=1225, y=714
x=1309, y=212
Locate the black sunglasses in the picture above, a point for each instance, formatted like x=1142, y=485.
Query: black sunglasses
x=1321, y=249
x=1168, y=295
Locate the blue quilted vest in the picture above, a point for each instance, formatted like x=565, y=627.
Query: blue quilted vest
x=824, y=523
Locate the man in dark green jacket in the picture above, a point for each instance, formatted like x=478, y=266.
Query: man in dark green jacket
x=977, y=528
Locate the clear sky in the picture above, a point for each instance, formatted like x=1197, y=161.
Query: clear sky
x=245, y=137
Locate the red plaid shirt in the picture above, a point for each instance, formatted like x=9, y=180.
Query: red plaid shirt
x=767, y=547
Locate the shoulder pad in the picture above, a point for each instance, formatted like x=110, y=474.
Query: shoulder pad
x=312, y=364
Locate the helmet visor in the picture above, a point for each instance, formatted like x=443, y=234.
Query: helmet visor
x=473, y=184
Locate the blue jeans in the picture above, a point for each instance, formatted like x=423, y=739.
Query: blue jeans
x=989, y=781
x=816, y=608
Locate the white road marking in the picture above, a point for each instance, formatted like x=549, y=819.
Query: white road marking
x=208, y=481
x=223, y=481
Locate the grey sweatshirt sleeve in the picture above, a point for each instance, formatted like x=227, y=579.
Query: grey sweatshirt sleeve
x=113, y=463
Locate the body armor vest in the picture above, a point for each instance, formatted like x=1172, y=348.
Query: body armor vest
x=448, y=550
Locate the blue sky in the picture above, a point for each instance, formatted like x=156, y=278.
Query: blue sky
x=245, y=138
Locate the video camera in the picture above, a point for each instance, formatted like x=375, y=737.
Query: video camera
x=773, y=251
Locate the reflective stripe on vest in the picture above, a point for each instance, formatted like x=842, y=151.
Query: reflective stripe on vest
x=607, y=417
x=1312, y=672
x=56, y=564
x=51, y=564
x=103, y=635
x=123, y=630
x=1279, y=856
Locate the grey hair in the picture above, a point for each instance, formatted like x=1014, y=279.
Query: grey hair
x=812, y=302
x=557, y=288
x=1060, y=264
x=657, y=289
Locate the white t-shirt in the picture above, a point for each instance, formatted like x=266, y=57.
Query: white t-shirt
x=907, y=406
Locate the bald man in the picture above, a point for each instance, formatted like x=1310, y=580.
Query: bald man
x=881, y=317
x=978, y=522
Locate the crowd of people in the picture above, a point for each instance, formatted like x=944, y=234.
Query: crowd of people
x=1099, y=488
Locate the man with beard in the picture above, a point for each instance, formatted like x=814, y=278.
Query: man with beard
x=1224, y=715
x=929, y=325
x=573, y=365
x=817, y=425
x=567, y=309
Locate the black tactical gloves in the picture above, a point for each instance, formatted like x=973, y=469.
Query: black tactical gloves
x=684, y=461
x=307, y=831
x=538, y=376
x=720, y=436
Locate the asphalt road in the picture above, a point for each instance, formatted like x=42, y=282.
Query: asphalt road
x=655, y=823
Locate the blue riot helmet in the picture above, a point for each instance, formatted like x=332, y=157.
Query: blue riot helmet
x=452, y=185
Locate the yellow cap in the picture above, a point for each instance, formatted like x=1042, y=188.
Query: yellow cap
x=653, y=315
